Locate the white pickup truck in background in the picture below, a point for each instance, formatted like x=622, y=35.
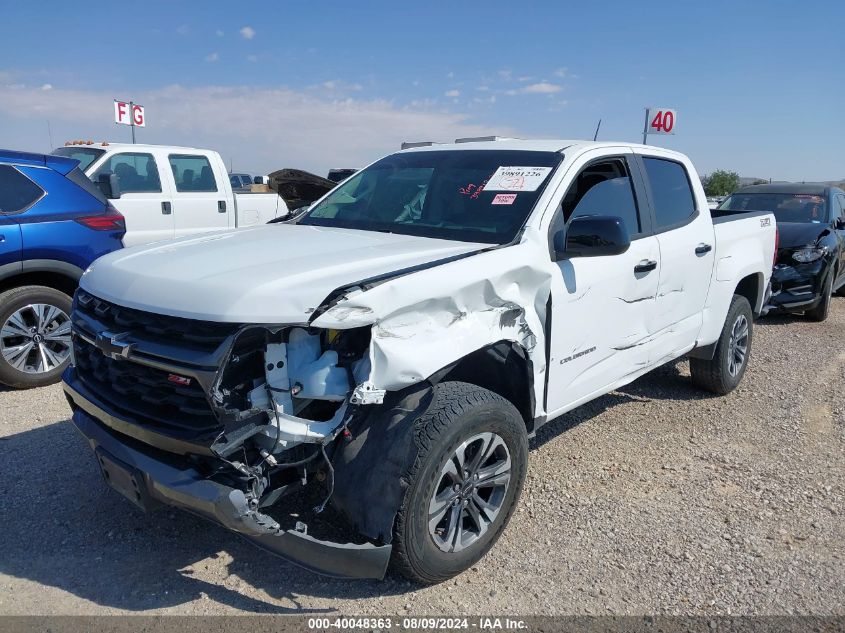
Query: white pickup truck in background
x=168, y=192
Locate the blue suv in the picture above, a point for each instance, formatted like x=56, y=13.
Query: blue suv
x=53, y=223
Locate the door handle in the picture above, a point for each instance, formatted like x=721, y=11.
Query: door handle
x=646, y=265
x=703, y=248
x=221, y=206
x=2, y=238
x=166, y=209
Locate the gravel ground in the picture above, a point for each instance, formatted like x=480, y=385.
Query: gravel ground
x=655, y=499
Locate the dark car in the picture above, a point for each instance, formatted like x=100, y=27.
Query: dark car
x=810, y=261
x=53, y=223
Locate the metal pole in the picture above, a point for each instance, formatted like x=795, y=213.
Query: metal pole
x=598, y=127
x=132, y=120
x=645, y=126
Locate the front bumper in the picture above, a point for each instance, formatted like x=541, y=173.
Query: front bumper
x=149, y=478
x=796, y=288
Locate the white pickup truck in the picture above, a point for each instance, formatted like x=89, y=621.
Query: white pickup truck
x=168, y=192
x=392, y=349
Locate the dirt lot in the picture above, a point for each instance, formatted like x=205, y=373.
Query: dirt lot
x=653, y=499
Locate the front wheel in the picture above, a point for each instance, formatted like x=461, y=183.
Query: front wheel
x=35, y=336
x=464, y=485
x=725, y=370
x=821, y=311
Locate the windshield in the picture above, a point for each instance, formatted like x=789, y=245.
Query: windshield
x=85, y=155
x=464, y=195
x=787, y=207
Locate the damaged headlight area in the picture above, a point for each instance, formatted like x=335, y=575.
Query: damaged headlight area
x=283, y=395
x=300, y=381
x=810, y=254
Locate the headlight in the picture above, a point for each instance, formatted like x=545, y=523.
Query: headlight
x=807, y=255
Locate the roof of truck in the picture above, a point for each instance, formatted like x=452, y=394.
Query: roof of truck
x=107, y=145
x=536, y=145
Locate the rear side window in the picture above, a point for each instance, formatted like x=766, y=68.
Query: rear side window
x=17, y=192
x=192, y=173
x=670, y=191
x=840, y=199
x=136, y=172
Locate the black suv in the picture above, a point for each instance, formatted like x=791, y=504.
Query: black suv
x=810, y=262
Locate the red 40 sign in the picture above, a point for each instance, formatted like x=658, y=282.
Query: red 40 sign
x=660, y=121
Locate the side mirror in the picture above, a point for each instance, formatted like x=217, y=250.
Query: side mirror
x=839, y=224
x=109, y=185
x=592, y=236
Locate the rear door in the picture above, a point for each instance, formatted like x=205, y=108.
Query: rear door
x=685, y=235
x=17, y=194
x=839, y=227
x=144, y=196
x=602, y=307
x=200, y=197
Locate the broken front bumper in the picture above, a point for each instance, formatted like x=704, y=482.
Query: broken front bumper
x=149, y=478
x=796, y=288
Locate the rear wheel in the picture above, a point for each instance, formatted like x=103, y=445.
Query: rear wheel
x=725, y=370
x=820, y=312
x=464, y=485
x=34, y=336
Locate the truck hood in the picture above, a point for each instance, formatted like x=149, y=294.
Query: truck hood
x=267, y=274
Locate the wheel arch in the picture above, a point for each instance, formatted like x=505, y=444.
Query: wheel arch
x=752, y=288
x=505, y=368
x=58, y=275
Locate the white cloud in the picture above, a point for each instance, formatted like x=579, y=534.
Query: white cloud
x=220, y=33
x=252, y=58
x=183, y=29
x=247, y=32
x=452, y=93
x=47, y=87
x=525, y=78
x=561, y=72
x=505, y=74
x=544, y=88
x=262, y=129
x=213, y=57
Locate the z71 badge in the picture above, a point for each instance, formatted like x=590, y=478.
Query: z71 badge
x=765, y=221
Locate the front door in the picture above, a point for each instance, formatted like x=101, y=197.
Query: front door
x=602, y=307
x=199, y=203
x=144, y=196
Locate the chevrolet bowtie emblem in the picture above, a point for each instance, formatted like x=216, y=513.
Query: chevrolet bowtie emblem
x=112, y=346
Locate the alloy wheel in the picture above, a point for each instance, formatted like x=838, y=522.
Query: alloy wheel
x=470, y=492
x=738, y=346
x=36, y=338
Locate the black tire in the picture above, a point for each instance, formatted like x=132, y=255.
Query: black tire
x=458, y=412
x=822, y=310
x=11, y=303
x=720, y=375
x=839, y=292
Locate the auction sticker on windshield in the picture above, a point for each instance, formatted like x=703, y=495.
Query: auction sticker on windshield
x=517, y=178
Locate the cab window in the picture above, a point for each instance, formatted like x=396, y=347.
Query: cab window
x=671, y=193
x=136, y=172
x=192, y=173
x=604, y=188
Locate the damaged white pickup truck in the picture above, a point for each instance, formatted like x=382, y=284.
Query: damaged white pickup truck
x=390, y=351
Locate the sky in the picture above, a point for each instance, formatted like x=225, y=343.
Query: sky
x=759, y=87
